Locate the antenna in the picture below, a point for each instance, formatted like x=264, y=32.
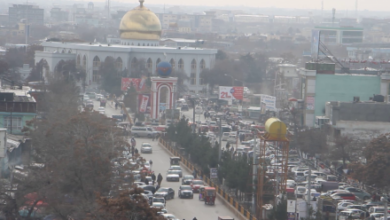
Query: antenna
x=333, y=15
x=108, y=9
x=356, y=8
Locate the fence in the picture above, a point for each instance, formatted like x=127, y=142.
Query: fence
x=218, y=188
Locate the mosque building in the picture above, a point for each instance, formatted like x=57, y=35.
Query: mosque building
x=140, y=31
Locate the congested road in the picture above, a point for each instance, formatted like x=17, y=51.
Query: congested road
x=181, y=208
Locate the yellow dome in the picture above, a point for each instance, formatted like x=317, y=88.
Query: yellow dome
x=140, y=24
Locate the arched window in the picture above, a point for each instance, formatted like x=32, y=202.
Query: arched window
x=157, y=62
x=172, y=62
x=84, y=61
x=78, y=60
x=149, y=64
x=180, y=64
x=202, y=65
x=193, y=65
x=119, y=64
x=96, y=63
x=193, y=72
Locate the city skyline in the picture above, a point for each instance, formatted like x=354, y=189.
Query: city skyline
x=350, y=5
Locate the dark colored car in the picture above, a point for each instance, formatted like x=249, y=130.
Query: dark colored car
x=185, y=108
x=166, y=192
x=185, y=191
x=187, y=179
x=149, y=188
x=196, y=184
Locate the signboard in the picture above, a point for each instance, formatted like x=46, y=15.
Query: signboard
x=143, y=103
x=291, y=215
x=138, y=83
x=315, y=43
x=310, y=103
x=230, y=93
x=291, y=205
x=269, y=101
x=213, y=173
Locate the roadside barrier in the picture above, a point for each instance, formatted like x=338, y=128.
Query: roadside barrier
x=224, y=195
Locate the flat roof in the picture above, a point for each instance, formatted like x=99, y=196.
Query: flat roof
x=339, y=28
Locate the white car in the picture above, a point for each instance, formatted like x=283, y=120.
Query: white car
x=300, y=191
x=291, y=183
x=146, y=148
x=173, y=177
x=343, y=205
x=169, y=216
x=140, y=183
x=158, y=205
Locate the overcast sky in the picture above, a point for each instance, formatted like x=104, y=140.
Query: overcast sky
x=371, y=5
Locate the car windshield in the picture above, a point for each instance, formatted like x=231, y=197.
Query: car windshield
x=146, y=145
x=172, y=171
x=197, y=182
x=162, y=190
x=186, y=188
x=188, y=177
x=175, y=168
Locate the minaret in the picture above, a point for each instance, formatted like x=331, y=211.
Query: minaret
x=141, y=3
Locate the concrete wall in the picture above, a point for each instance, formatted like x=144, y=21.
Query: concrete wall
x=343, y=88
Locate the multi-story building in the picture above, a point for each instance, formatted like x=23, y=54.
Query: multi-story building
x=341, y=35
x=16, y=108
x=324, y=85
x=32, y=14
x=58, y=15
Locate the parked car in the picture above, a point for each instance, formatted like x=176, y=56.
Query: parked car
x=343, y=205
x=343, y=195
x=358, y=192
x=149, y=188
x=172, y=176
x=185, y=191
x=146, y=148
x=158, y=199
x=166, y=192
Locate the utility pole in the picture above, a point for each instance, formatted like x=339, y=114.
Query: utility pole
x=308, y=195
x=220, y=140
x=254, y=174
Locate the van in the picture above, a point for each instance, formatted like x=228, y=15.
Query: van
x=225, y=136
x=143, y=131
x=331, y=178
x=376, y=209
x=299, y=176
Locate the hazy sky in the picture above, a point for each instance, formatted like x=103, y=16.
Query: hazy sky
x=371, y=5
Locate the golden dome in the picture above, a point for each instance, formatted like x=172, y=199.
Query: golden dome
x=140, y=24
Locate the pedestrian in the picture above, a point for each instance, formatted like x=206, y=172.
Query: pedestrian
x=151, y=163
x=132, y=151
x=227, y=146
x=146, y=181
x=153, y=178
x=194, y=218
x=116, y=105
x=194, y=174
x=136, y=151
x=133, y=142
x=159, y=179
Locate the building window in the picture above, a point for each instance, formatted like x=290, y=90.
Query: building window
x=15, y=121
x=78, y=61
x=84, y=61
x=149, y=64
x=172, y=62
x=157, y=62
x=181, y=64
x=193, y=78
x=202, y=65
x=96, y=63
x=193, y=65
x=119, y=64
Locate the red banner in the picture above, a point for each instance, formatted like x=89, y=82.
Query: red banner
x=143, y=103
x=138, y=83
